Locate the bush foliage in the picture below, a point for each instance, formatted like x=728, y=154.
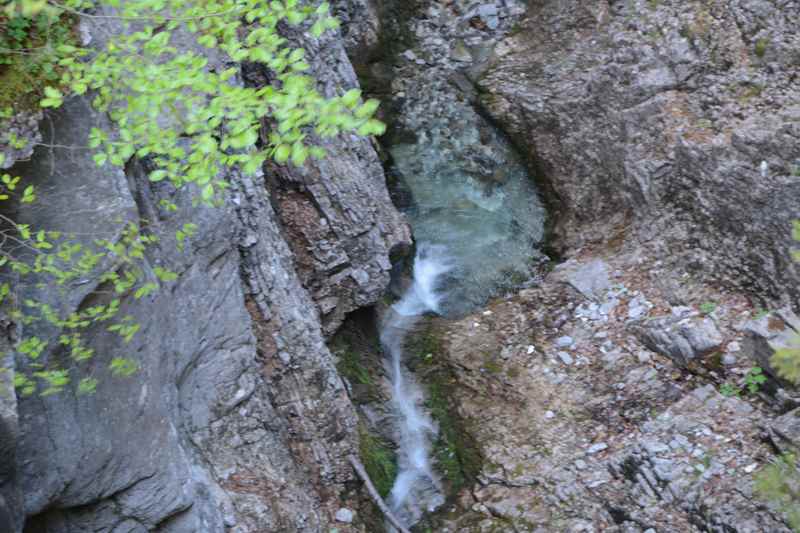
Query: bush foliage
x=170, y=81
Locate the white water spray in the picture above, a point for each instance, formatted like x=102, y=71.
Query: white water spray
x=417, y=488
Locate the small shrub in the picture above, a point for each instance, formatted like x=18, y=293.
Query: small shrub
x=779, y=483
x=761, y=46
x=754, y=379
x=707, y=307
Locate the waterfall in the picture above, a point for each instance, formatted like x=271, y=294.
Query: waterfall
x=417, y=488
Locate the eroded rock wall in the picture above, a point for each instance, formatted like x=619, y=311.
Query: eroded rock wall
x=672, y=122
x=237, y=419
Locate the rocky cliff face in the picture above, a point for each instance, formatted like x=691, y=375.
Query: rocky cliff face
x=237, y=419
x=578, y=421
x=664, y=135
x=671, y=122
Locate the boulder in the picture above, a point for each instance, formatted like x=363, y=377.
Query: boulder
x=767, y=334
x=785, y=431
x=590, y=279
x=681, y=339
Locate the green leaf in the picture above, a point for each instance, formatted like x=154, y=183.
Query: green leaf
x=157, y=175
x=282, y=153
x=351, y=97
x=53, y=97
x=209, y=41
x=299, y=154
x=368, y=108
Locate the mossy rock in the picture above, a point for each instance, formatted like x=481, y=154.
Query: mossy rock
x=456, y=455
x=379, y=458
x=29, y=60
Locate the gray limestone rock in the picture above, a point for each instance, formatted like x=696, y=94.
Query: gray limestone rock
x=237, y=399
x=766, y=334
x=651, y=120
x=589, y=279
x=785, y=431
x=682, y=340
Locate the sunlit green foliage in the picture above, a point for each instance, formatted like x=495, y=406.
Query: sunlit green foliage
x=779, y=482
x=170, y=81
x=182, y=107
x=29, y=59
x=53, y=261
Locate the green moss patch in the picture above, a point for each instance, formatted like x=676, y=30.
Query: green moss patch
x=359, y=355
x=379, y=459
x=455, y=452
x=28, y=57
x=350, y=366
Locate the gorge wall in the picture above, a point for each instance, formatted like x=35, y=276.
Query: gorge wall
x=671, y=123
x=645, y=123
x=237, y=418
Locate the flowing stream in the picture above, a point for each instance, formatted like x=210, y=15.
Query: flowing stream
x=417, y=488
x=475, y=213
x=478, y=223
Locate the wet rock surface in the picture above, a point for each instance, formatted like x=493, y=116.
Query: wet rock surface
x=674, y=122
x=460, y=182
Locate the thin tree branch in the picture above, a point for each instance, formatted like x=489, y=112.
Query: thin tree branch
x=376, y=497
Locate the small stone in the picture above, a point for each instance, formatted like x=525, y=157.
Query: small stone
x=565, y=358
x=580, y=464
x=460, y=52
x=565, y=342
x=530, y=349
x=643, y=357
x=654, y=447
x=638, y=307
x=751, y=468
x=344, y=515
x=549, y=414
x=596, y=448
x=728, y=359
x=410, y=55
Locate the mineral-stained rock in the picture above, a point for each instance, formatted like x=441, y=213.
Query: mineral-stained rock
x=766, y=334
x=653, y=119
x=340, y=223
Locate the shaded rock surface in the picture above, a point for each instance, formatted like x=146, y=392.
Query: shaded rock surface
x=769, y=333
x=237, y=419
x=672, y=121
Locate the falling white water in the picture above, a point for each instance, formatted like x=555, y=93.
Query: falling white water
x=417, y=488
